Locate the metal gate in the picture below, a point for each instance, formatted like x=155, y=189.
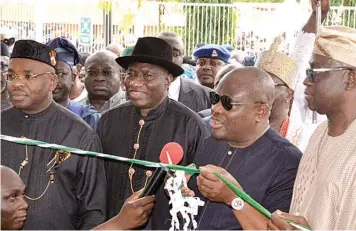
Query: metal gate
x=247, y=26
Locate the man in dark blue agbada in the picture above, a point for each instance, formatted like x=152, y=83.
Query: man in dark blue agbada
x=68, y=58
x=70, y=195
x=245, y=150
x=140, y=128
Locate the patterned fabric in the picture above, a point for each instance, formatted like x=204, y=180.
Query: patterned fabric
x=325, y=187
x=284, y=127
x=279, y=64
x=29, y=49
x=338, y=43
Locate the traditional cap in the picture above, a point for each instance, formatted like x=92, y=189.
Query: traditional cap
x=212, y=51
x=279, y=64
x=65, y=50
x=29, y=49
x=337, y=42
x=4, y=50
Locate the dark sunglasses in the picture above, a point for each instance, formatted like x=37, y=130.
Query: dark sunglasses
x=226, y=101
x=311, y=73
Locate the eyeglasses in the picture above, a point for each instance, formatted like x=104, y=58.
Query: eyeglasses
x=226, y=101
x=311, y=73
x=12, y=77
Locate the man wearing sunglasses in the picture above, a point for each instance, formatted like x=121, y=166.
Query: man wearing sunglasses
x=206, y=114
x=74, y=195
x=324, y=191
x=245, y=150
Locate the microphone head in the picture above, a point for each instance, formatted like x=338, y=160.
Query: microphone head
x=175, y=152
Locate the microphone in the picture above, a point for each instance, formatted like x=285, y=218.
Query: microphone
x=172, y=153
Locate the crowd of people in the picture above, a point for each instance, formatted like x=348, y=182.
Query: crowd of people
x=252, y=123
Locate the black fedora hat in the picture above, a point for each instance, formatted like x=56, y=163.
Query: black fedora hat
x=154, y=51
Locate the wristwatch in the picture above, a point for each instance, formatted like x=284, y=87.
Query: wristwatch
x=237, y=203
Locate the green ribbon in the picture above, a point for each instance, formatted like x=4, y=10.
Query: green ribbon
x=187, y=170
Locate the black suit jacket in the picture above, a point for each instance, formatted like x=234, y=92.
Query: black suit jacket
x=193, y=95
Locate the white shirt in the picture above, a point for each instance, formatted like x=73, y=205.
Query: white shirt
x=301, y=126
x=174, y=88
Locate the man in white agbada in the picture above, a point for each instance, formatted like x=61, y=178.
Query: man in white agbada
x=324, y=193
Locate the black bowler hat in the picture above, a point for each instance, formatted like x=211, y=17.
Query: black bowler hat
x=30, y=49
x=154, y=51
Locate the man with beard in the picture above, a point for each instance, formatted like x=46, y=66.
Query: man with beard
x=71, y=194
x=4, y=59
x=68, y=58
x=102, y=81
x=210, y=59
x=140, y=128
x=183, y=90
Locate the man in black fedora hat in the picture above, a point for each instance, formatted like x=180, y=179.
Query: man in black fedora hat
x=69, y=195
x=141, y=127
